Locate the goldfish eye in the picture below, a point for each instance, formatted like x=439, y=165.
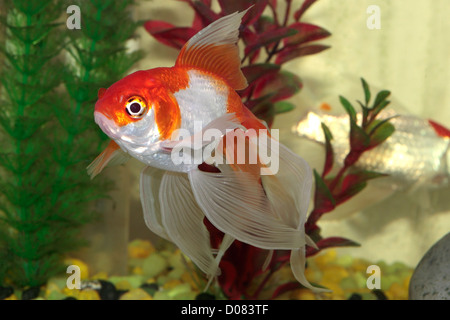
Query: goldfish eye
x=136, y=107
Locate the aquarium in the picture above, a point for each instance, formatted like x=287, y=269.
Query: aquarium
x=224, y=150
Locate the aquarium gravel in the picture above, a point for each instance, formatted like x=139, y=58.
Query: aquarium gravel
x=167, y=275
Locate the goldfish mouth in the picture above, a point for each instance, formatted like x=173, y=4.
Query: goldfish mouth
x=107, y=125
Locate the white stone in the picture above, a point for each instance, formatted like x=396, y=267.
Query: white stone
x=431, y=279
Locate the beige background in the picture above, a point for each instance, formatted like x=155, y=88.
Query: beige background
x=409, y=55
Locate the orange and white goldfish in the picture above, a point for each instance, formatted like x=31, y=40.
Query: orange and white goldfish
x=144, y=114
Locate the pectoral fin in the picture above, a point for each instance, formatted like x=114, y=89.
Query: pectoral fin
x=111, y=156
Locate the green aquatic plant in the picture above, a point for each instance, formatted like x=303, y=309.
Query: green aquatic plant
x=49, y=83
x=33, y=229
x=333, y=190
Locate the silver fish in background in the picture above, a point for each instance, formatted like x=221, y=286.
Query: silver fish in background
x=415, y=156
x=417, y=152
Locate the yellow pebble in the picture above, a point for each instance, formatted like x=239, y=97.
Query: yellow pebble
x=325, y=258
x=303, y=294
x=338, y=297
x=360, y=265
x=88, y=294
x=140, y=249
x=51, y=287
x=334, y=287
x=100, y=276
x=138, y=271
x=334, y=274
x=84, y=269
x=11, y=297
x=71, y=292
x=311, y=274
x=187, y=278
x=150, y=280
x=123, y=285
x=406, y=281
x=171, y=284
x=397, y=292
x=136, y=294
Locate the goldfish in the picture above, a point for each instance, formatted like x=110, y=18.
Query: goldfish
x=415, y=156
x=192, y=112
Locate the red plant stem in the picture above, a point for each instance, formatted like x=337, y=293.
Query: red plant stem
x=288, y=10
x=262, y=285
x=275, y=17
x=350, y=160
x=313, y=217
x=336, y=179
x=285, y=21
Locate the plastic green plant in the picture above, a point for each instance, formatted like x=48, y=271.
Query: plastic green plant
x=49, y=83
x=30, y=75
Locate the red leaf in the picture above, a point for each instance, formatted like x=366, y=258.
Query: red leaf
x=288, y=53
x=263, y=111
x=323, y=198
x=168, y=34
x=204, y=12
x=331, y=242
x=281, y=85
x=323, y=202
x=255, y=13
x=227, y=280
x=258, y=71
x=229, y=6
x=440, y=129
x=198, y=23
x=256, y=103
x=264, y=24
x=306, y=4
x=250, y=37
x=305, y=33
x=353, y=183
x=329, y=153
x=350, y=192
x=267, y=38
x=155, y=26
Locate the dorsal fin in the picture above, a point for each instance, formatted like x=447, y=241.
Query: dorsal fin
x=215, y=49
x=101, y=92
x=440, y=129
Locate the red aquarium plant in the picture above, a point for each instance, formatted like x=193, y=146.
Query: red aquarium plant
x=272, y=37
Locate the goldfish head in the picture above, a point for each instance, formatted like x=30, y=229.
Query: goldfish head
x=125, y=112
